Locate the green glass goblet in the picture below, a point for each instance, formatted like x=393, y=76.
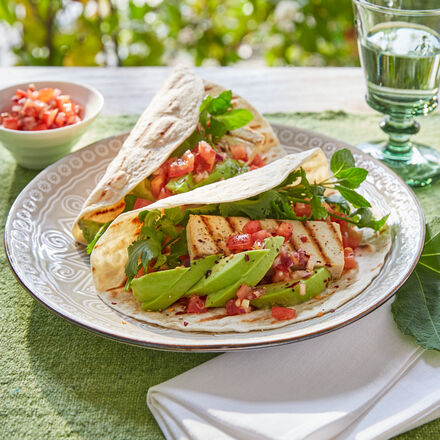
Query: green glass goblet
x=399, y=46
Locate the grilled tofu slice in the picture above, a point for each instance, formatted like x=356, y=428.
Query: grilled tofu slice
x=207, y=235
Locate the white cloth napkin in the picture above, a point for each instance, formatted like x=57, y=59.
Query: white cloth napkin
x=365, y=381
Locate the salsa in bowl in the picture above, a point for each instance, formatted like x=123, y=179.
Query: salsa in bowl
x=40, y=124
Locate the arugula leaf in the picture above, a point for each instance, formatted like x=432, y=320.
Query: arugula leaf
x=341, y=160
x=416, y=309
x=258, y=207
x=353, y=197
x=364, y=218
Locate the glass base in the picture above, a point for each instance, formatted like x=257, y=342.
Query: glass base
x=419, y=167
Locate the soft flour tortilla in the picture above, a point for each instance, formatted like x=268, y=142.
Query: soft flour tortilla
x=110, y=255
x=170, y=119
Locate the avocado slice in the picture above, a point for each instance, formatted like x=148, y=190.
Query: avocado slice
x=181, y=184
x=158, y=290
x=251, y=277
x=287, y=294
x=228, y=271
x=143, y=190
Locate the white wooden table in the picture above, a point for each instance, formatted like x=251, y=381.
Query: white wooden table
x=282, y=89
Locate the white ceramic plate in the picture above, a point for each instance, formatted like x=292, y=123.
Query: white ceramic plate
x=55, y=270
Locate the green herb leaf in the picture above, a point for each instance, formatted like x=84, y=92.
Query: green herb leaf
x=259, y=207
x=341, y=160
x=416, y=309
x=364, y=218
x=353, y=197
x=97, y=236
x=236, y=118
x=352, y=177
x=89, y=229
x=220, y=104
x=178, y=249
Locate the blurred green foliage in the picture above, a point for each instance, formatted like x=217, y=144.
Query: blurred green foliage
x=157, y=32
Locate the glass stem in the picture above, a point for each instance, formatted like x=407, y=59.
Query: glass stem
x=399, y=129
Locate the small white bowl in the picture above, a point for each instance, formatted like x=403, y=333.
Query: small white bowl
x=37, y=149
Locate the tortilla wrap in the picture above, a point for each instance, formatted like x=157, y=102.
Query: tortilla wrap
x=168, y=121
x=110, y=255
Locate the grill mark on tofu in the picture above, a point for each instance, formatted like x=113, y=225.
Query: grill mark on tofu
x=215, y=231
x=336, y=230
x=314, y=240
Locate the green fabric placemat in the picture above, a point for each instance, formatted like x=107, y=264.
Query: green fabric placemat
x=59, y=381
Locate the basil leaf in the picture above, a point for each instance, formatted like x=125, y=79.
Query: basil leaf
x=236, y=118
x=341, y=160
x=220, y=104
x=352, y=177
x=353, y=197
x=416, y=309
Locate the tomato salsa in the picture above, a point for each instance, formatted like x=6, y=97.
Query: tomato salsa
x=43, y=109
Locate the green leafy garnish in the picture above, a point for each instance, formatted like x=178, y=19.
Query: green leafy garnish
x=97, y=236
x=416, y=309
x=217, y=116
x=151, y=242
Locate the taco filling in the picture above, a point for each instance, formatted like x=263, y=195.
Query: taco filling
x=272, y=251
x=227, y=137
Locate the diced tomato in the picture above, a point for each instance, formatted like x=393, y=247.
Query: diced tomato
x=205, y=157
x=11, y=123
x=258, y=161
x=244, y=292
x=41, y=110
x=349, y=259
x=41, y=126
x=283, y=313
x=302, y=209
x=141, y=203
x=240, y=242
x=260, y=236
x=21, y=94
x=239, y=152
x=157, y=183
x=164, y=193
x=196, y=304
x=351, y=238
x=285, y=230
x=61, y=100
x=49, y=116
x=185, y=260
x=60, y=119
x=46, y=94
x=182, y=166
x=252, y=226
x=232, y=308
